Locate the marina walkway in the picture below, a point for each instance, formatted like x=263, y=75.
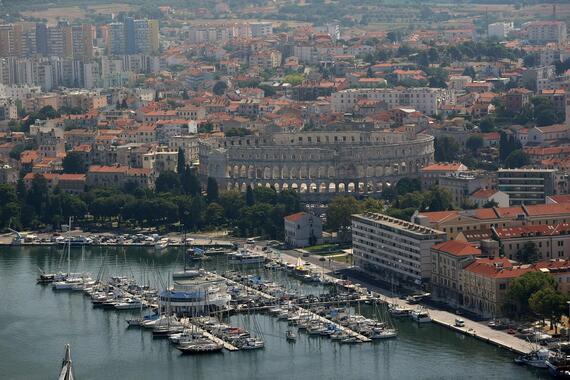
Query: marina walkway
x=350, y=332
x=186, y=322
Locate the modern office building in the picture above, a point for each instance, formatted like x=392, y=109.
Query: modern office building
x=526, y=186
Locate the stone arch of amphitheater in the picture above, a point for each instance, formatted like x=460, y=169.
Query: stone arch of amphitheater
x=318, y=163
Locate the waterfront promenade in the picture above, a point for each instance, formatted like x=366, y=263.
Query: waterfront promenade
x=472, y=328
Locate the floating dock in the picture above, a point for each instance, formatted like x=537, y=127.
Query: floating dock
x=186, y=322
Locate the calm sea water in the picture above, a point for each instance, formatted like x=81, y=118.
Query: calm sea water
x=36, y=323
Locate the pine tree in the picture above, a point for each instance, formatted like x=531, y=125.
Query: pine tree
x=249, y=198
x=212, y=190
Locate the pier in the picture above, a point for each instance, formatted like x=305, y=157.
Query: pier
x=339, y=327
x=228, y=346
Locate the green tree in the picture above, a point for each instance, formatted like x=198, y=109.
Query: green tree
x=339, y=212
x=214, y=215
x=190, y=183
x=232, y=202
x=528, y=254
x=408, y=185
x=220, y=88
x=167, y=182
x=181, y=163
x=549, y=303
x=249, y=197
x=212, y=190
x=523, y=287
x=446, y=149
x=487, y=124
x=474, y=143
x=439, y=200
x=517, y=159
x=74, y=163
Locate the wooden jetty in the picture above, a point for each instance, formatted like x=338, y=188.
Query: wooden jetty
x=228, y=346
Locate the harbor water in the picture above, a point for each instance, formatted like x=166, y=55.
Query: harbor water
x=36, y=323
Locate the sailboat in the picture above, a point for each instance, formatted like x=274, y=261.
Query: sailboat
x=66, y=372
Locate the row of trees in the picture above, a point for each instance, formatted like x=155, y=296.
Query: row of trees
x=259, y=211
x=536, y=294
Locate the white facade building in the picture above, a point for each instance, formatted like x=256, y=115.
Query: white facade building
x=500, y=30
x=303, y=229
x=395, y=249
x=424, y=99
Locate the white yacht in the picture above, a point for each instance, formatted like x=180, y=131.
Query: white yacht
x=245, y=256
x=421, y=316
x=129, y=304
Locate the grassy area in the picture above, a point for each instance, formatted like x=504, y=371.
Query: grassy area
x=347, y=259
x=322, y=247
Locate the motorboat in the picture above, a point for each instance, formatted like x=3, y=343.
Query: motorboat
x=161, y=245
x=128, y=304
x=200, y=347
x=398, y=311
x=421, y=316
x=252, y=344
x=384, y=334
x=536, y=358
x=244, y=257
x=290, y=336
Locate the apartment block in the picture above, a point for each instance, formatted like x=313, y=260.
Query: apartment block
x=391, y=248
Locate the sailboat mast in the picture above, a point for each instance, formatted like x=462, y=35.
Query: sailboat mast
x=69, y=248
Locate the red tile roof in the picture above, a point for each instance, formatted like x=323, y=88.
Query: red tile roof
x=295, y=217
x=484, y=193
x=457, y=248
x=454, y=166
x=497, y=268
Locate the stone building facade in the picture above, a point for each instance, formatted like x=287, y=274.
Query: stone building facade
x=316, y=163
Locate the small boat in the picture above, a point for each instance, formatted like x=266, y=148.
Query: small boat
x=290, y=336
x=349, y=340
x=200, y=347
x=421, y=316
x=161, y=245
x=397, y=311
x=252, y=344
x=128, y=304
x=535, y=358
x=384, y=334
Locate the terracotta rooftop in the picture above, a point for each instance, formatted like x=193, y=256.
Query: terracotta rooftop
x=295, y=217
x=457, y=248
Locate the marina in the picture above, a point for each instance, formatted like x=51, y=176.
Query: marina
x=96, y=326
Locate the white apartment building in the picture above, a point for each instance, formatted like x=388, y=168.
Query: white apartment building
x=540, y=32
x=395, y=249
x=424, y=99
x=500, y=30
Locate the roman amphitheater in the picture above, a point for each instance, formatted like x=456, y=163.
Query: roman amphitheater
x=316, y=164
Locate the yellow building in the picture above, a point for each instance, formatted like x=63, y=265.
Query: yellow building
x=154, y=36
